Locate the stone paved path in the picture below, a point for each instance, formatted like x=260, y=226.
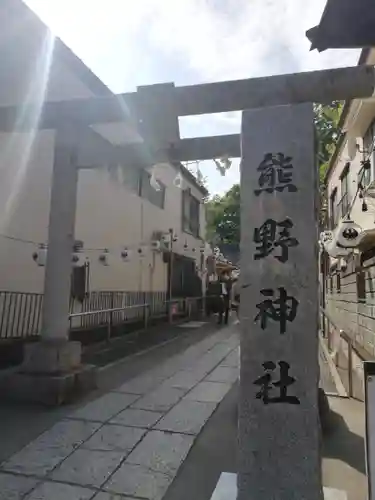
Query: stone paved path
x=129, y=443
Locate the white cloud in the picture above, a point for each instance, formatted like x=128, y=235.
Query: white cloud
x=214, y=39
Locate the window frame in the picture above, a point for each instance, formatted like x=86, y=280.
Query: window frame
x=147, y=192
x=361, y=286
x=190, y=213
x=333, y=208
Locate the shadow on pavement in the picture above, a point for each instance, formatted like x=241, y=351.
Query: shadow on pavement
x=214, y=452
x=343, y=444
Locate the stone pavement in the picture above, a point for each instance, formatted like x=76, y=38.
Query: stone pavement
x=130, y=442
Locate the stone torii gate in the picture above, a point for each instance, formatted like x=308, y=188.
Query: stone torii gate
x=278, y=432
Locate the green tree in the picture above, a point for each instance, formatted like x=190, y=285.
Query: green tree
x=223, y=216
x=327, y=133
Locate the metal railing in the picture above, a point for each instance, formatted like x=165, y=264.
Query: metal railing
x=21, y=313
x=352, y=346
x=173, y=308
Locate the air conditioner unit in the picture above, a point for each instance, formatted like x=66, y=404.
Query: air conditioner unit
x=104, y=258
x=40, y=256
x=166, y=238
x=78, y=259
x=156, y=245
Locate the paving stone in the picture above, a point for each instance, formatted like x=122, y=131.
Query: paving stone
x=88, y=467
x=58, y=491
x=137, y=418
x=210, y=392
x=183, y=380
x=114, y=438
x=15, y=487
x=139, y=481
x=161, y=451
x=187, y=416
x=141, y=385
x=50, y=448
x=104, y=408
x=111, y=496
x=161, y=399
x=232, y=360
x=36, y=461
x=228, y=374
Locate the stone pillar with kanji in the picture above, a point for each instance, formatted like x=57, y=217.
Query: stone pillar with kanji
x=279, y=455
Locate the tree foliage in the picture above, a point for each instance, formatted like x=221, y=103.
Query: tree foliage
x=223, y=216
x=327, y=133
x=223, y=212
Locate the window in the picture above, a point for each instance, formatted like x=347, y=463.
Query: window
x=333, y=208
x=338, y=283
x=154, y=196
x=131, y=177
x=364, y=175
x=344, y=204
x=190, y=213
x=79, y=282
x=361, y=286
x=368, y=141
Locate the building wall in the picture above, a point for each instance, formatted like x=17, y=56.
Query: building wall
x=350, y=297
x=109, y=214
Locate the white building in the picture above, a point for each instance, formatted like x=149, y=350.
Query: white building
x=350, y=182
x=116, y=209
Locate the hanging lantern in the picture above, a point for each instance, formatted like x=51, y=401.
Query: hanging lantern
x=348, y=234
x=40, y=256
x=141, y=252
x=125, y=254
x=104, y=258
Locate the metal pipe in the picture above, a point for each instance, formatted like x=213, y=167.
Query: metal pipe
x=350, y=368
x=101, y=311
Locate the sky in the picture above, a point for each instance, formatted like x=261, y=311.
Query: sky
x=127, y=43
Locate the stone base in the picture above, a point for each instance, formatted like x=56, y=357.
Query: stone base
x=52, y=357
x=49, y=389
x=226, y=489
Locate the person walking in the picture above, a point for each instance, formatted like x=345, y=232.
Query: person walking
x=236, y=299
x=226, y=288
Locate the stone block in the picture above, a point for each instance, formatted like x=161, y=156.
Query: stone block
x=15, y=487
x=57, y=491
x=139, y=481
x=114, y=438
x=278, y=435
x=88, y=467
x=226, y=374
x=111, y=496
x=209, y=392
x=51, y=356
x=161, y=399
x=140, y=385
x=137, y=418
x=187, y=417
x=183, y=380
x=49, y=389
x=43, y=454
x=161, y=452
x=104, y=408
